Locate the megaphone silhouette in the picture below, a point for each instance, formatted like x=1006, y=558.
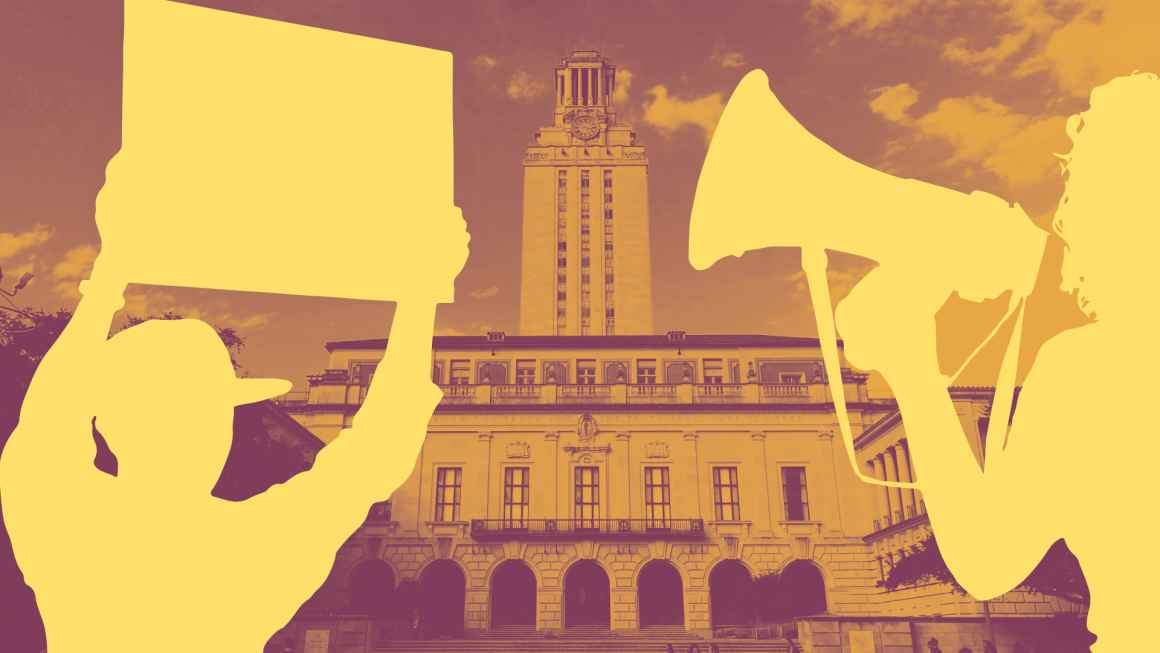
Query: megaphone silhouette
x=768, y=182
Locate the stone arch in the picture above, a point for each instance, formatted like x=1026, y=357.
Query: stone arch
x=512, y=594
x=442, y=598
x=660, y=591
x=730, y=593
x=587, y=594
x=802, y=583
x=370, y=586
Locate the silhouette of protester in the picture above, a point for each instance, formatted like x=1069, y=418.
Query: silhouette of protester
x=148, y=559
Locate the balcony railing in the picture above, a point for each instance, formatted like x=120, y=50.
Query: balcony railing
x=777, y=391
x=596, y=394
x=507, y=529
x=327, y=391
x=652, y=393
x=718, y=393
x=518, y=393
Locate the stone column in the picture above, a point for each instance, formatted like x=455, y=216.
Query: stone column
x=691, y=438
x=759, y=440
x=890, y=504
x=902, y=451
x=919, y=508
x=891, y=460
x=883, y=496
x=553, y=440
x=485, y=438
x=621, y=468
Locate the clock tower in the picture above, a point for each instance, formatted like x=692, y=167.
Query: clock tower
x=586, y=268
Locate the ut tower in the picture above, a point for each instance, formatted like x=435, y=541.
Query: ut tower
x=586, y=263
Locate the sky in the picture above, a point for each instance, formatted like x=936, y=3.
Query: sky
x=972, y=95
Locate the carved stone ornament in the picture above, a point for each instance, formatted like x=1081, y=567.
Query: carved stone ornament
x=587, y=429
x=656, y=450
x=518, y=450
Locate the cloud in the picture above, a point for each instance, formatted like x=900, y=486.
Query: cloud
x=982, y=133
x=623, y=84
x=16, y=243
x=863, y=15
x=484, y=63
x=71, y=269
x=893, y=102
x=668, y=114
x=1078, y=44
x=485, y=293
x=1106, y=40
x=522, y=87
x=1027, y=23
x=147, y=302
x=1017, y=147
x=729, y=59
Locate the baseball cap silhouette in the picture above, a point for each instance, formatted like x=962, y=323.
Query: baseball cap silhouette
x=179, y=356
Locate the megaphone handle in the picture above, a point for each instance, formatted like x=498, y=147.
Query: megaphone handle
x=814, y=264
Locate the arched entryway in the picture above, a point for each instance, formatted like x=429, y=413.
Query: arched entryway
x=586, y=596
x=660, y=595
x=730, y=595
x=442, y=590
x=513, y=595
x=803, y=589
x=371, y=588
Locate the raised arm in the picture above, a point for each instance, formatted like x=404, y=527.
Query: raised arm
x=369, y=460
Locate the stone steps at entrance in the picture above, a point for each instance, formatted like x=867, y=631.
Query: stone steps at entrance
x=633, y=642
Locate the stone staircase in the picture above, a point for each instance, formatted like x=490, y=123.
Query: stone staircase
x=586, y=639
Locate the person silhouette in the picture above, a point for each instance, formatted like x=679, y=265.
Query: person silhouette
x=1088, y=381
x=147, y=559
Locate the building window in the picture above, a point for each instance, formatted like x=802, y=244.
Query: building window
x=646, y=371
x=793, y=488
x=448, y=483
x=362, y=373
x=562, y=239
x=460, y=372
x=714, y=370
x=525, y=372
x=586, y=371
x=791, y=378
x=656, y=497
x=515, y=497
x=725, y=496
x=380, y=512
x=585, y=246
x=587, y=512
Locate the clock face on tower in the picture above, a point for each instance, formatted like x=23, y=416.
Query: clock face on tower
x=585, y=126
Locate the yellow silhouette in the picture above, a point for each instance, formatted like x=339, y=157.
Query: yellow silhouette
x=248, y=144
x=1042, y=482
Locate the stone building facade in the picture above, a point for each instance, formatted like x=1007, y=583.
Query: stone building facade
x=648, y=465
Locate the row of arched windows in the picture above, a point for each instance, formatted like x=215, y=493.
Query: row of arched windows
x=436, y=602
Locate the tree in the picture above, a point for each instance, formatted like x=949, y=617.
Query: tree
x=1057, y=574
